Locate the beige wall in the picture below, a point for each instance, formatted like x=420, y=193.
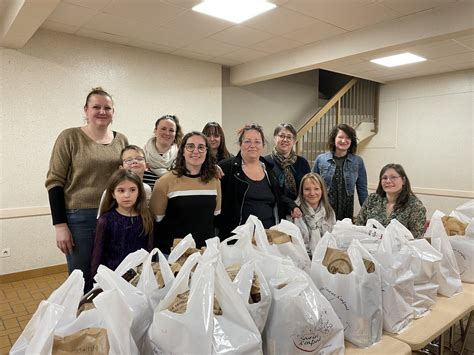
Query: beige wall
x=290, y=99
x=42, y=90
x=426, y=124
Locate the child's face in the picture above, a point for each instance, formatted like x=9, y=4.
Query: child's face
x=134, y=161
x=312, y=192
x=126, y=194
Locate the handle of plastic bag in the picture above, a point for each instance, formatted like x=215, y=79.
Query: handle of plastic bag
x=131, y=261
x=69, y=295
x=147, y=282
x=183, y=245
x=326, y=241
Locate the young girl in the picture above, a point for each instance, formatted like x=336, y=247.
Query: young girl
x=125, y=223
x=318, y=215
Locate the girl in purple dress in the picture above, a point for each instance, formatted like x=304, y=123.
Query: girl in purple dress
x=125, y=224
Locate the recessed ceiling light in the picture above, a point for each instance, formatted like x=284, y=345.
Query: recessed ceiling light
x=399, y=59
x=236, y=11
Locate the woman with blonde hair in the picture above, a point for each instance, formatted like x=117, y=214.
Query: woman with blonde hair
x=318, y=215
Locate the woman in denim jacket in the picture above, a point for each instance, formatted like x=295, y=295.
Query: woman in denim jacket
x=343, y=171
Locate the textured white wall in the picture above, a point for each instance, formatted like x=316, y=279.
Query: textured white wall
x=42, y=91
x=426, y=125
x=292, y=99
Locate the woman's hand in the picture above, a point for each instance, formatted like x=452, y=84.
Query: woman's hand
x=219, y=172
x=296, y=213
x=64, y=238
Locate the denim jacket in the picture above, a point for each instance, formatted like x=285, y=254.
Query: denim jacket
x=354, y=172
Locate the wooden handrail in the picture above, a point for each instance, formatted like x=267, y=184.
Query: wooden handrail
x=318, y=115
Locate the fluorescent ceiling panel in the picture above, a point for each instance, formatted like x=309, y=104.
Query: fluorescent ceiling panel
x=398, y=59
x=236, y=11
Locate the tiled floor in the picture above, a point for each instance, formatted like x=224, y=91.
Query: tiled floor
x=19, y=300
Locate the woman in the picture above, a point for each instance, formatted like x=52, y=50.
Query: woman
x=215, y=135
x=249, y=186
x=394, y=199
x=161, y=150
x=318, y=215
x=186, y=199
x=343, y=171
x=82, y=160
x=288, y=167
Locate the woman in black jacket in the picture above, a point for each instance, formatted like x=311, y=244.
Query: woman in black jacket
x=249, y=187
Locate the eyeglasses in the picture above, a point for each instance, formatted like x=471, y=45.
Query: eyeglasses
x=249, y=142
x=287, y=137
x=389, y=178
x=129, y=161
x=201, y=148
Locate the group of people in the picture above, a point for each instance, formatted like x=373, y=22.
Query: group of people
x=180, y=184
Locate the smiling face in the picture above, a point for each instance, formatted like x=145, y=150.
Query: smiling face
x=134, y=161
x=126, y=194
x=251, y=147
x=392, y=182
x=214, y=141
x=194, y=153
x=165, y=132
x=342, y=142
x=99, y=111
x=312, y=192
x=284, y=141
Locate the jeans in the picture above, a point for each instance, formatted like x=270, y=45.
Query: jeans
x=81, y=223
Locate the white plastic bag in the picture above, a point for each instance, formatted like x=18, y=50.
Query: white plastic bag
x=356, y=297
x=426, y=281
x=449, y=279
x=296, y=249
x=189, y=332
x=463, y=248
x=344, y=232
x=243, y=284
x=394, y=258
x=135, y=300
x=301, y=320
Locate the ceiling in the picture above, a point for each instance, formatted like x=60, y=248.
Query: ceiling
x=298, y=35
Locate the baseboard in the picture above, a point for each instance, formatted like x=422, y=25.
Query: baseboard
x=29, y=274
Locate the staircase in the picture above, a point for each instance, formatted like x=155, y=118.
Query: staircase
x=355, y=104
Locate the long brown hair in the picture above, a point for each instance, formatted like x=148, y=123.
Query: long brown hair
x=406, y=191
x=215, y=129
x=140, y=205
x=208, y=167
x=324, y=201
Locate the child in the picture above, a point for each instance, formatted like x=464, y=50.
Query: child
x=125, y=224
x=318, y=215
x=133, y=158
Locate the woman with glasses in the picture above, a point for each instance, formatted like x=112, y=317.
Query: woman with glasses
x=216, y=138
x=249, y=186
x=288, y=167
x=186, y=199
x=161, y=149
x=394, y=199
x=343, y=171
x=82, y=160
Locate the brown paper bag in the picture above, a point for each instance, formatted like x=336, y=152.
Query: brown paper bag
x=277, y=237
x=92, y=341
x=180, y=304
x=453, y=226
x=338, y=262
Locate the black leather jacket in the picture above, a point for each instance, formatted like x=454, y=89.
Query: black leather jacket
x=234, y=188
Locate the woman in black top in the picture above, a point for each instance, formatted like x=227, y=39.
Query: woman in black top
x=249, y=186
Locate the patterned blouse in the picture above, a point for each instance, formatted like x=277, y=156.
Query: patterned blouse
x=412, y=216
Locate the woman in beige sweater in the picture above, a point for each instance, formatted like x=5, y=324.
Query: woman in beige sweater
x=82, y=160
